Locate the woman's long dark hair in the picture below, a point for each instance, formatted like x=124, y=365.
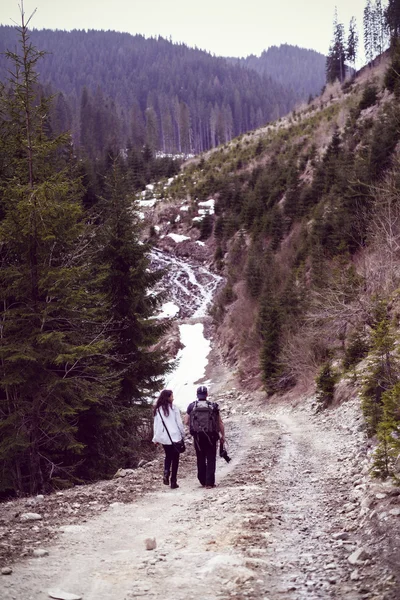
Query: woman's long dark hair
x=163, y=400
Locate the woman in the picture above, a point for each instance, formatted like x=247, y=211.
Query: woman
x=167, y=416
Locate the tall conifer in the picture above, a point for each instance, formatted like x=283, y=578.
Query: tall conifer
x=51, y=344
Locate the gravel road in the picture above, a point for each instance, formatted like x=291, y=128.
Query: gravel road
x=294, y=516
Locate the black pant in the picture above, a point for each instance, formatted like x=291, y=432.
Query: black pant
x=171, y=462
x=206, y=453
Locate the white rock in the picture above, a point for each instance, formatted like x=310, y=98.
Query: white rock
x=61, y=595
x=39, y=552
x=358, y=556
x=120, y=473
x=395, y=512
x=343, y=535
x=30, y=517
x=6, y=571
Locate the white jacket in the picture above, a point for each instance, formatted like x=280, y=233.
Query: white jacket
x=174, y=424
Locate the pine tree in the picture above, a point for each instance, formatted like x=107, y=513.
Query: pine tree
x=368, y=31
x=392, y=18
x=325, y=381
x=127, y=284
x=270, y=327
x=335, y=62
x=383, y=370
x=52, y=351
x=352, y=42
x=388, y=433
x=254, y=271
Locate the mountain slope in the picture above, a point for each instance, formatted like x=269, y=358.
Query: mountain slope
x=296, y=68
x=306, y=234
x=167, y=95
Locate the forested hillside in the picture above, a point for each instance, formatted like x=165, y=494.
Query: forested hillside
x=78, y=355
x=116, y=86
x=299, y=69
x=306, y=232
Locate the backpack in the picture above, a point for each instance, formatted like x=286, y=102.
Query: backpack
x=204, y=418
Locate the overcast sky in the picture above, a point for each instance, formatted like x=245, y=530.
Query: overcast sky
x=222, y=27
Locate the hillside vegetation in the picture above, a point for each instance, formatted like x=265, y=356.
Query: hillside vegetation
x=116, y=88
x=306, y=232
x=300, y=69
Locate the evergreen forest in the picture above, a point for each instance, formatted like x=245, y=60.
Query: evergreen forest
x=298, y=69
x=117, y=88
x=78, y=344
x=305, y=233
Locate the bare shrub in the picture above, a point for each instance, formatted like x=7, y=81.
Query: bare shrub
x=383, y=259
x=302, y=354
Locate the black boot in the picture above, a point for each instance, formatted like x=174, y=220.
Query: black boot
x=166, y=478
x=174, y=485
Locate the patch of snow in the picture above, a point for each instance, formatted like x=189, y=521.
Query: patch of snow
x=200, y=243
x=169, y=309
x=209, y=203
x=148, y=203
x=150, y=186
x=184, y=208
x=197, y=219
x=178, y=238
x=207, y=206
x=192, y=363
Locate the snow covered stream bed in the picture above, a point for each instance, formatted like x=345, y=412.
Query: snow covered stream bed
x=189, y=289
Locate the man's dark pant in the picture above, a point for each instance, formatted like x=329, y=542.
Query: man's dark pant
x=171, y=462
x=206, y=452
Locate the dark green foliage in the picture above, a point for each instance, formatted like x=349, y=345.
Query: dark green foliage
x=219, y=254
x=325, y=380
x=369, y=97
x=206, y=227
x=385, y=135
x=292, y=207
x=219, y=228
x=356, y=350
x=228, y=295
x=352, y=42
x=173, y=98
x=76, y=356
x=392, y=75
x=276, y=229
x=392, y=15
x=388, y=433
x=270, y=328
x=300, y=69
x=53, y=355
x=383, y=371
x=110, y=432
x=335, y=61
x=254, y=271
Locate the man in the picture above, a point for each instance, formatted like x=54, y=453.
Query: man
x=206, y=427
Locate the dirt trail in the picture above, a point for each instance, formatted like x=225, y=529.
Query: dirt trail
x=270, y=529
